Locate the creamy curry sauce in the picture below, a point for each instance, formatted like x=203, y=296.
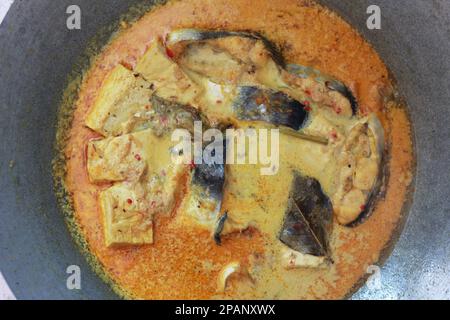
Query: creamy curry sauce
x=174, y=256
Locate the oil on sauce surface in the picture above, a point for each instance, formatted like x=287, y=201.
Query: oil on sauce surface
x=183, y=263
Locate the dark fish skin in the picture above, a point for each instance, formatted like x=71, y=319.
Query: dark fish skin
x=327, y=81
x=256, y=104
x=203, y=35
x=177, y=115
x=308, y=218
x=275, y=52
x=345, y=91
x=219, y=228
x=163, y=106
x=166, y=116
x=210, y=177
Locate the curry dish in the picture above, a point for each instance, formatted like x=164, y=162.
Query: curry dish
x=295, y=84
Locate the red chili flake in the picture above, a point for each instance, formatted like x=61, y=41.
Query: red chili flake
x=170, y=53
x=127, y=65
x=307, y=106
x=362, y=207
x=363, y=111
x=129, y=201
x=164, y=120
x=338, y=110
x=86, y=153
x=138, y=157
x=308, y=92
x=333, y=134
x=259, y=100
x=192, y=165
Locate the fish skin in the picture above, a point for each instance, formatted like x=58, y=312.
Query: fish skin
x=257, y=104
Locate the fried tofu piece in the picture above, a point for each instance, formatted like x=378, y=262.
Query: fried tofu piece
x=167, y=78
x=148, y=180
x=164, y=188
x=121, y=96
x=116, y=85
x=115, y=159
x=126, y=217
x=127, y=157
x=124, y=97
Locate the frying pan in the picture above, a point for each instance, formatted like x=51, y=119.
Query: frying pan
x=38, y=52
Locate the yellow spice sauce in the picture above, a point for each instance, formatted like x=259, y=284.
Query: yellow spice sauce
x=184, y=262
